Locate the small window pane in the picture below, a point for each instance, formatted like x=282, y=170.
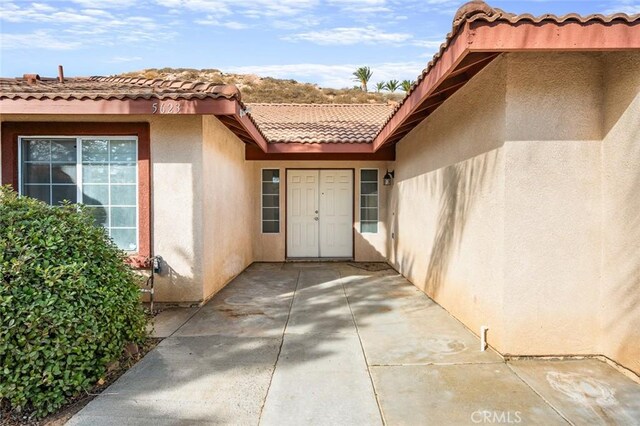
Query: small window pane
x=36, y=173
x=95, y=195
x=41, y=192
x=63, y=173
x=123, y=173
x=271, y=176
x=123, y=217
x=95, y=150
x=369, y=175
x=270, y=188
x=368, y=214
x=369, y=227
x=123, y=150
x=36, y=150
x=95, y=173
x=270, y=201
x=60, y=193
x=123, y=195
x=369, y=201
x=270, y=214
x=369, y=188
x=124, y=238
x=269, y=227
x=63, y=150
x=100, y=215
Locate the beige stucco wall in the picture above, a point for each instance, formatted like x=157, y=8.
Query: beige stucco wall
x=368, y=247
x=619, y=310
x=445, y=209
x=552, y=203
x=516, y=204
x=228, y=206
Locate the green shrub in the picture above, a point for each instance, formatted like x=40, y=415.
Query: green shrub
x=68, y=303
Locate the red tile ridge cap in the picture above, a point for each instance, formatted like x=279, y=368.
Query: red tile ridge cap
x=226, y=90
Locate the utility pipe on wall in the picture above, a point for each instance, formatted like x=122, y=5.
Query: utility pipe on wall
x=483, y=338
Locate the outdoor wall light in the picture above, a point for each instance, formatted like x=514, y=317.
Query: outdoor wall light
x=388, y=178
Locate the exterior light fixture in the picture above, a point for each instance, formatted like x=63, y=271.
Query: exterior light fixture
x=388, y=178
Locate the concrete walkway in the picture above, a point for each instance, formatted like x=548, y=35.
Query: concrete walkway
x=297, y=344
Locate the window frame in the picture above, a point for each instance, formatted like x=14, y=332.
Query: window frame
x=9, y=148
x=377, y=222
x=79, y=175
x=262, y=207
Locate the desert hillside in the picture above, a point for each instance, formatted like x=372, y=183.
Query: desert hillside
x=271, y=90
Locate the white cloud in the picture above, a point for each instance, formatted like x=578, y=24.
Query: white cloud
x=106, y=4
x=40, y=39
x=337, y=76
x=260, y=8
x=123, y=59
x=70, y=28
x=350, y=35
x=211, y=20
x=630, y=7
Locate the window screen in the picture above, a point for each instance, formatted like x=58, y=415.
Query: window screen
x=101, y=173
x=270, y=201
x=369, y=200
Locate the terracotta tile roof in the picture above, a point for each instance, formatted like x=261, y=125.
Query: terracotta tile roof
x=479, y=11
x=105, y=88
x=320, y=123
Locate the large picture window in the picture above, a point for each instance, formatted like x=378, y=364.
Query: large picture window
x=100, y=172
x=369, y=200
x=270, y=201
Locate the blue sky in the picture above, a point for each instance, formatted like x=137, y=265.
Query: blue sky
x=318, y=41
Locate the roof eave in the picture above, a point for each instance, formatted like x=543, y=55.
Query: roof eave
x=230, y=108
x=491, y=38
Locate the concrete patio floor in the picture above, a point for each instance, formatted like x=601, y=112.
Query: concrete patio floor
x=329, y=343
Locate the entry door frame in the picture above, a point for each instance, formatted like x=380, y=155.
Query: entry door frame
x=286, y=206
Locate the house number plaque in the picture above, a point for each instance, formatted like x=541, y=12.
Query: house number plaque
x=165, y=108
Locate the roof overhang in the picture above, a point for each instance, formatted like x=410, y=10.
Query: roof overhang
x=320, y=151
x=230, y=111
x=477, y=43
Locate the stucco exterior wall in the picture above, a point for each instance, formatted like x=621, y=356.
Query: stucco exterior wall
x=368, y=247
x=228, y=206
x=543, y=246
x=446, y=208
x=552, y=203
x=177, y=208
x=619, y=311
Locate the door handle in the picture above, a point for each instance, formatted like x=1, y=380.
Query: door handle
x=315, y=218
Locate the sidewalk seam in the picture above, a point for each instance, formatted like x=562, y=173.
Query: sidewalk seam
x=275, y=364
x=540, y=395
x=366, y=361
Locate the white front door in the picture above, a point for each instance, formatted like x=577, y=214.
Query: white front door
x=302, y=213
x=319, y=213
x=336, y=213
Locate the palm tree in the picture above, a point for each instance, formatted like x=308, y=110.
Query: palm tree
x=406, y=85
x=380, y=86
x=392, y=85
x=362, y=75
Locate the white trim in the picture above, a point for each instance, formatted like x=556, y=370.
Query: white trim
x=360, y=207
x=79, y=174
x=262, y=207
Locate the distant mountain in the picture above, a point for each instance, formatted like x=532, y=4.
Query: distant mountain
x=271, y=90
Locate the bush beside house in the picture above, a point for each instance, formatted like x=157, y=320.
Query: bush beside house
x=68, y=303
